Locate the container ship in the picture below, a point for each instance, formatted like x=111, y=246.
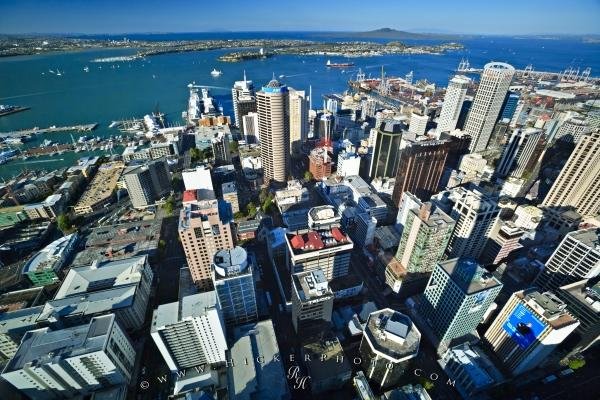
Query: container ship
x=338, y=65
x=5, y=110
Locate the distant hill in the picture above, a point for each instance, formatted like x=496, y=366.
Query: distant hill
x=392, y=34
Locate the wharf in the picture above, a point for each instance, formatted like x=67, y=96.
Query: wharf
x=52, y=129
x=13, y=110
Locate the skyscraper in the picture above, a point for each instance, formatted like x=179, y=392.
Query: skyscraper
x=420, y=167
x=220, y=148
x=390, y=341
x=251, y=130
x=147, y=183
x=204, y=229
x=475, y=214
x=528, y=329
x=312, y=299
x=386, y=150
x=298, y=120
x=274, y=131
x=583, y=301
x=578, y=183
x=234, y=284
x=418, y=124
x=190, y=332
x=424, y=238
x=453, y=101
x=495, y=80
x=502, y=243
x=576, y=257
x=457, y=296
x=244, y=102
x=521, y=154
x=510, y=106
x=72, y=362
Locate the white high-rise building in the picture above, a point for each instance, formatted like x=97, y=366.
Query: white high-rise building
x=190, y=332
x=418, y=124
x=242, y=95
x=348, y=164
x=578, y=183
x=494, y=84
x=72, y=362
x=453, y=101
x=274, y=128
x=577, y=257
x=529, y=327
x=475, y=215
x=298, y=120
x=522, y=152
x=251, y=131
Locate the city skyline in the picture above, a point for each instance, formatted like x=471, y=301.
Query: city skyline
x=113, y=17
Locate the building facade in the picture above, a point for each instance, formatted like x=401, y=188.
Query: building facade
x=312, y=299
x=386, y=150
x=453, y=101
x=494, y=84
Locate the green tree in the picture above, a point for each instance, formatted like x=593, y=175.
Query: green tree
x=576, y=363
x=426, y=383
x=308, y=176
x=268, y=203
x=234, y=147
x=169, y=206
x=64, y=223
x=264, y=192
x=207, y=153
x=238, y=215
x=251, y=210
x=195, y=154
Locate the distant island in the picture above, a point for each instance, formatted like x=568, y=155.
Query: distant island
x=392, y=34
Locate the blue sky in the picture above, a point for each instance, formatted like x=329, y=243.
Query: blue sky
x=130, y=16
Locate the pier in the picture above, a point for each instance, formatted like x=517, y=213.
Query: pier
x=52, y=129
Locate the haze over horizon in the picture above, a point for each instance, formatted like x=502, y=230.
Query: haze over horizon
x=535, y=17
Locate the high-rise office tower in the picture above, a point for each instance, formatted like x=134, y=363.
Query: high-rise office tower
x=72, y=362
x=312, y=299
x=502, y=243
x=147, y=183
x=418, y=124
x=578, y=183
x=220, y=148
x=453, y=101
x=251, y=131
x=510, y=106
x=386, y=150
x=420, y=167
x=364, y=232
x=528, y=329
x=475, y=214
x=323, y=246
x=576, y=257
x=298, y=120
x=244, y=102
x=464, y=112
x=190, y=332
x=204, y=229
x=326, y=126
x=495, y=80
x=390, y=341
x=583, y=301
x=274, y=131
x=320, y=162
x=424, y=238
x=521, y=154
x=457, y=296
x=234, y=284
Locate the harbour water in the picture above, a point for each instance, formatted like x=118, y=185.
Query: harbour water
x=131, y=89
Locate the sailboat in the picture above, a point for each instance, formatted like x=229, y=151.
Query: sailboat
x=51, y=71
x=86, y=69
x=58, y=73
x=215, y=72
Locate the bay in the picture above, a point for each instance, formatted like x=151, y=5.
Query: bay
x=133, y=89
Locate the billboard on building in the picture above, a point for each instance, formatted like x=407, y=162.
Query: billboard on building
x=523, y=326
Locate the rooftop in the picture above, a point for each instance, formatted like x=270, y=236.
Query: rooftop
x=51, y=256
x=254, y=380
x=230, y=261
x=311, y=285
x=102, y=275
x=190, y=306
x=19, y=319
x=315, y=240
x=587, y=292
x=44, y=346
x=469, y=275
x=548, y=306
x=589, y=237
x=392, y=334
x=327, y=345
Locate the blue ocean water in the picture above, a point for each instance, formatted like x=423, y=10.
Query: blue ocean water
x=132, y=89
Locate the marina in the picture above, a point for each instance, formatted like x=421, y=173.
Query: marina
x=51, y=129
